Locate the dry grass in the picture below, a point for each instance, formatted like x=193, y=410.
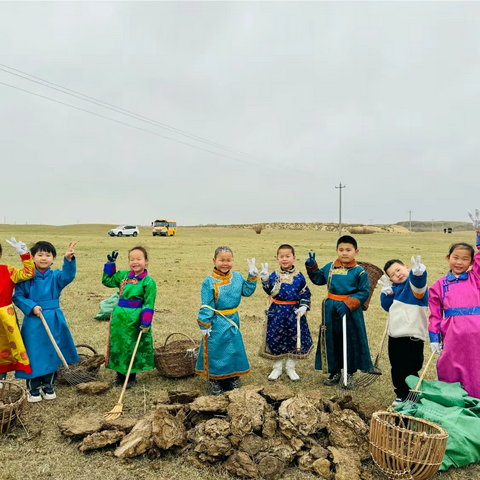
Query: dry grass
x=179, y=264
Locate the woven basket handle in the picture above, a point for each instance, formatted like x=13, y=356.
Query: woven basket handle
x=86, y=346
x=179, y=333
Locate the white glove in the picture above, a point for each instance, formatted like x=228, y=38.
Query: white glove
x=252, y=269
x=418, y=268
x=302, y=310
x=20, y=247
x=436, y=347
x=386, y=287
x=264, y=275
x=475, y=219
x=207, y=332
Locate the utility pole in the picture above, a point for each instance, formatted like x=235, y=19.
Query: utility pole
x=410, y=216
x=340, y=209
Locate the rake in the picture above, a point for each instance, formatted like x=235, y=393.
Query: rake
x=117, y=409
x=373, y=375
x=413, y=396
x=72, y=376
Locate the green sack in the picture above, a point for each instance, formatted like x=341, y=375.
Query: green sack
x=106, y=307
x=448, y=405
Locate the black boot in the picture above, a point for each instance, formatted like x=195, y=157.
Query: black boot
x=132, y=380
x=231, y=384
x=214, y=387
x=120, y=380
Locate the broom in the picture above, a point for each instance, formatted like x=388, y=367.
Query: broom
x=117, y=409
x=70, y=374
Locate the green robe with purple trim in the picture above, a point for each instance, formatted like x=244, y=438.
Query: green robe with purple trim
x=125, y=322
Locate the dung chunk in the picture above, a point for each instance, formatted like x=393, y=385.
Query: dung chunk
x=241, y=465
x=252, y=444
x=277, y=392
x=121, y=424
x=80, y=426
x=316, y=398
x=208, y=441
x=305, y=462
x=93, y=388
x=168, y=431
x=270, y=422
x=215, y=404
x=280, y=447
x=297, y=417
x=323, y=468
x=101, y=439
x=92, y=362
x=319, y=452
x=347, y=430
x=182, y=397
x=246, y=411
x=347, y=463
x=138, y=441
x=271, y=467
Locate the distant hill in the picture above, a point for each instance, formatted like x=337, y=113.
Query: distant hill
x=437, y=226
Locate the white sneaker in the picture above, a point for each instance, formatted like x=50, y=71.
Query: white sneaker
x=48, y=396
x=34, y=398
x=398, y=401
x=277, y=370
x=290, y=369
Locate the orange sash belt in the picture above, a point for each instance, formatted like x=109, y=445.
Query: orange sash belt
x=279, y=302
x=340, y=298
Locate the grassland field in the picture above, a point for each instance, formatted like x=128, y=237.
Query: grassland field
x=179, y=264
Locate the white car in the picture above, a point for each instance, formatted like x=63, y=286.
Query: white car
x=124, y=231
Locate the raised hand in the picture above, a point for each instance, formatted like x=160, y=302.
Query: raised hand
x=70, y=253
x=475, y=219
x=252, y=269
x=386, y=287
x=417, y=266
x=264, y=275
x=20, y=247
x=310, y=262
x=112, y=258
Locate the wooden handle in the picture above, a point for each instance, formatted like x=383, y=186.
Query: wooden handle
x=54, y=343
x=424, y=372
x=380, y=350
x=299, y=335
x=345, y=359
x=131, y=365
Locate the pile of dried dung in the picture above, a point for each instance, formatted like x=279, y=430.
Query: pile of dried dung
x=253, y=432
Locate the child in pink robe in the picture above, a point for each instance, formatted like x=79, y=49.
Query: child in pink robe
x=454, y=302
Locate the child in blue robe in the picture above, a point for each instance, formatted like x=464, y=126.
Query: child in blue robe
x=222, y=357
x=41, y=294
x=290, y=297
x=348, y=289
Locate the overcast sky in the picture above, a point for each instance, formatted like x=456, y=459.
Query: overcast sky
x=384, y=97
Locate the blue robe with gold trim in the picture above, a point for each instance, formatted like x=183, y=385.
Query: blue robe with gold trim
x=352, y=281
x=222, y=353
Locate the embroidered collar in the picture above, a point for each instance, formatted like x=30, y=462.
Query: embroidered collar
x=142, y=275
x=451, y=277
x=220, y=275
x=337, y=264
x=289, y=271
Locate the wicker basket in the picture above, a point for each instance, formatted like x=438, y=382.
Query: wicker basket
x=374, y=275
x=405, y=447
x=85, y=374
x=177, y=359
x=13, y=399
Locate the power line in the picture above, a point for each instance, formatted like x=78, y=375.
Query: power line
x=133, y=126
x=131, y=114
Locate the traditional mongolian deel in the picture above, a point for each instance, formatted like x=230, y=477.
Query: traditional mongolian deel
x=348, y=284
x=13, y=355
x=288, y=291
x=222, y=353
x=44, y=290
x=455, y=318
x=135, y=305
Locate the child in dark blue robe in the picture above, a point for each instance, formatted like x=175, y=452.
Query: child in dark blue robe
x=348, y=289
x=290, y=297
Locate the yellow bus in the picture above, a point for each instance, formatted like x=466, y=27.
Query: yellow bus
x=164, y=228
